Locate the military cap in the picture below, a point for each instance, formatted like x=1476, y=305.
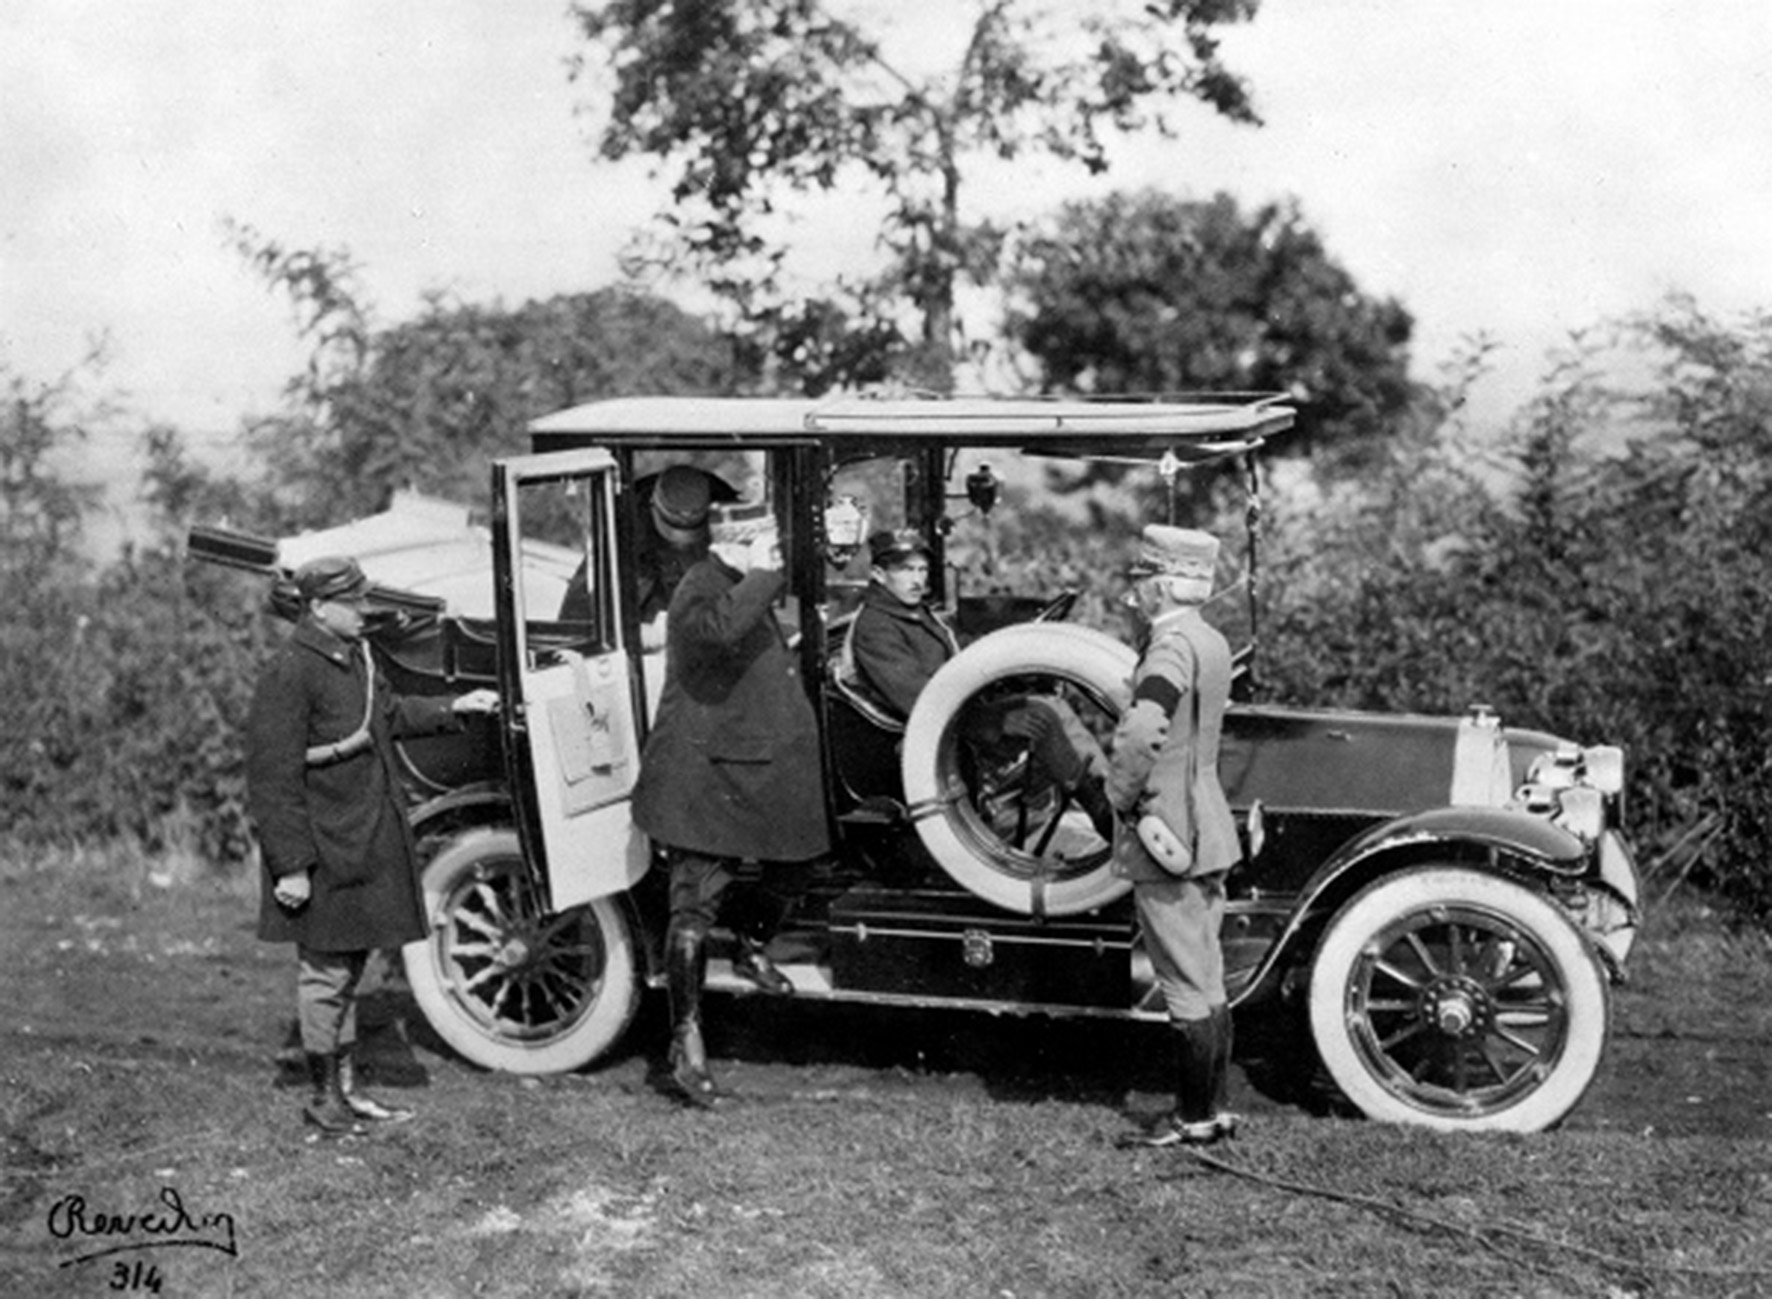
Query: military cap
x=680, y=500
x=891, y=546
x=331, y=577
x=1175, y=552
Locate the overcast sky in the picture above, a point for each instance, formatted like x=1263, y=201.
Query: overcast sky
x=1521, y=167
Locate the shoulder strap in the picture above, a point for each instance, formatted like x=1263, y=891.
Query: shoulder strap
x=321, y=755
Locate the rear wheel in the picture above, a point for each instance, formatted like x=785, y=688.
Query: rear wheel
x=507, y=986
x=1458, y=1000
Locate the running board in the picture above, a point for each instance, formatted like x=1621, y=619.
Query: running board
x=813, y=983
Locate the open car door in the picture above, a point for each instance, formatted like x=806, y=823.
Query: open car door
x=571, y=743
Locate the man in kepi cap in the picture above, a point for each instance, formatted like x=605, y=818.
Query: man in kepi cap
x=898, y=641
x=682, y=496
x=678, y=500
x=340, y=875
x=731, y=773
x=1176, y=836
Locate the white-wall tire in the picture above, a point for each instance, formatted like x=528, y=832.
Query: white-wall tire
x=1082, y=663
x=509, y=988
x=1458, y=1000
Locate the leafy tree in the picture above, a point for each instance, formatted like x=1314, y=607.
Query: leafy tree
x=443, y=394
x=41, y=569
x=429, y=402
x=1148, y=293
x=753, y=101
x=41, y=510
x=114, y=684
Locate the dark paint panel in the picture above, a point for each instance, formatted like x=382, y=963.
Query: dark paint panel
x=1347, y=762
x=939, y=942
x=1293, y=845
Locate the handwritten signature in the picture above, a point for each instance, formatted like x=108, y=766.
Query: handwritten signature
x=174, y=1226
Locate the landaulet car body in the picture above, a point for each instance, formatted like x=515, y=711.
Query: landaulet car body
x=1431, y=908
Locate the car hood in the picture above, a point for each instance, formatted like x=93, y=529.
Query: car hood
x=1381, y=764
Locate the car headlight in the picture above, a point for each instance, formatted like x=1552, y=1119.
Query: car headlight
x=1556, y=769
x=1602, y=768
x=1582, y=812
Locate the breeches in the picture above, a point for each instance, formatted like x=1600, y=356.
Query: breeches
x=702, y=892
x=1181, y=920
x=326, y=998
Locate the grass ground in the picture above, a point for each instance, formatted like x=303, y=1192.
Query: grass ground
x=140, y=1025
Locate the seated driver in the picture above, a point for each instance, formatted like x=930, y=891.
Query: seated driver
x=898, y=641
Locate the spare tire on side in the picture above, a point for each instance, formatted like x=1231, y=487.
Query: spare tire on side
x=980, y=807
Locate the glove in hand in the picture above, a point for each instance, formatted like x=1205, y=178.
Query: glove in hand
x=1048, y=745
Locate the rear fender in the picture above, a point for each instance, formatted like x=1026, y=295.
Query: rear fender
x=1512, y=843
x=482, y=804
x=490, y=804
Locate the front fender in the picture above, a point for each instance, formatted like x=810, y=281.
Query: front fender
x=1529, y=844
x=1534, y=840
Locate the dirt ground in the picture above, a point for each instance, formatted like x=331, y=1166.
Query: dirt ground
x=108, y=984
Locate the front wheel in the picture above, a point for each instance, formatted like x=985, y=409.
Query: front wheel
x=1458, y=1000
x=507, y=986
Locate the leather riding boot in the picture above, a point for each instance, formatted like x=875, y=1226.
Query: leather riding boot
x=685, y=969
x=326, y=1108
x=752, y=963
x=756, y=914
x=1224, y=1037
x=1193, y=1078
x=1194, y=1121
x=361, y=1104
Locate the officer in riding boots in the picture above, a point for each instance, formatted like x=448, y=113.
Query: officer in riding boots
x=730, y=773
x=1175, y=837
x=340, y=873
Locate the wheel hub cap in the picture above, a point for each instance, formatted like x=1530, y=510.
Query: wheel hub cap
x=1457, y=1008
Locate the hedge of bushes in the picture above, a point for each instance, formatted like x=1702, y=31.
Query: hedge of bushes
x=1609, y=582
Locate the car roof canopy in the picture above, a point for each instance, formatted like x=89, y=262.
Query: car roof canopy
x=1191, y=429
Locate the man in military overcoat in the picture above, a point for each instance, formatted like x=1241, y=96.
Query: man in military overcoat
x=340, y=874
x=731, y=772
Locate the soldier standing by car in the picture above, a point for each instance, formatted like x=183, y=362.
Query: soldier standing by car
x=340, y=877
x=1173, y=833
x=1177, y=837
x=730, y=773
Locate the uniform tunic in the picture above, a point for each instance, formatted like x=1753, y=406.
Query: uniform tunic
x=1167, y=737
x=897, y=647
x=732, y=766
x=1165, y=760
x=345, y=821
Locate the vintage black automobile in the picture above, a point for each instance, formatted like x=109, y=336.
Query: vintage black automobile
x=1438, y=905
